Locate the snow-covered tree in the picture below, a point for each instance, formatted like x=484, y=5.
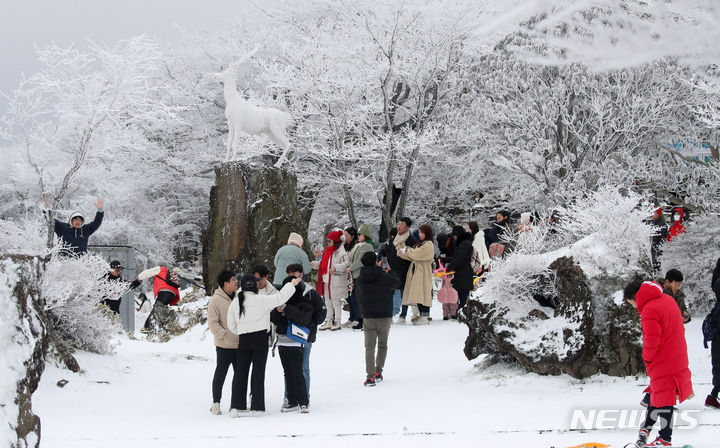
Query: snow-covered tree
x=695, y=254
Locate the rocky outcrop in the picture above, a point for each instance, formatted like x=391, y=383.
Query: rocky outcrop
x=570, y=330
x=253, y=209
x=24, y=347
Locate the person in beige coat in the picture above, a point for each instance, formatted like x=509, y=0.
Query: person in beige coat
x=418, y=284
x=226, y=342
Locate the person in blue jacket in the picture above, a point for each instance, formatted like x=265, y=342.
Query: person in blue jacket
x=76, y=233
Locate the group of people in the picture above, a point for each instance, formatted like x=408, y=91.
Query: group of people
x=240, y=314
x=249, y=315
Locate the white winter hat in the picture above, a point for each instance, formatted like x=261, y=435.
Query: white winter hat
x=295, y=238
x=76, y=214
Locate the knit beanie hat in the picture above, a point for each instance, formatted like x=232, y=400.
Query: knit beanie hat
x=335, y=236
x=296, y=239
x=365, y=230
x=76, y=214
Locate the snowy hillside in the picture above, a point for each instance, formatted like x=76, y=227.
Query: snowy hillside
x=158, y=395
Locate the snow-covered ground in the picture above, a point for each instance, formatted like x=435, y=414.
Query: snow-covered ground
x=158, y=395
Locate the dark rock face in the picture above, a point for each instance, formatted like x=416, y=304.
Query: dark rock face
x=579, y=336
x=253, y=209
x=30, y=339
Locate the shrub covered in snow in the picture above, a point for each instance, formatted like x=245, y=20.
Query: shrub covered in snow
x=72, y=287
x=695, y=254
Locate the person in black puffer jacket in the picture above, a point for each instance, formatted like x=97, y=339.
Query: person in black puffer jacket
x=461, y=264
x=377, y=288
x=298, y=309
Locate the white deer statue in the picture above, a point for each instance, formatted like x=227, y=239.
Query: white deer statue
x=247, y=118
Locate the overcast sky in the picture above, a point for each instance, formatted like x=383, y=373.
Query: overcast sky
x=26, y=23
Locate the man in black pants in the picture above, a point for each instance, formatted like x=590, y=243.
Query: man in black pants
x=225, y=341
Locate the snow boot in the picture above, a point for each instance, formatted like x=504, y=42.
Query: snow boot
x=422, y=320
x=215, y=409
x=712, y=402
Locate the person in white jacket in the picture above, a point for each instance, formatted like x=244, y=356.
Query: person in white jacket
x=481, y=257
x=249, y=318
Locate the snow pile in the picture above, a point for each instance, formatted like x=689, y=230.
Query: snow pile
x=695, y=254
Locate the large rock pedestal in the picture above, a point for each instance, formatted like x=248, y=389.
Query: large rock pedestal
x=253, y=209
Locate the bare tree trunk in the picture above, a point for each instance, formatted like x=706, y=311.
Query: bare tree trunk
x=409, y=171
x=350, y=205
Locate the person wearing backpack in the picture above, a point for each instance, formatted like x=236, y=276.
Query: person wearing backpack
x=711, y=326
x=319, y=316
x=165, y=290
x=297, y=311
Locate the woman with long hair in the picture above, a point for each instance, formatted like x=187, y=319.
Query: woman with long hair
x=332, y=281
x=249, y=318
x=418, y=284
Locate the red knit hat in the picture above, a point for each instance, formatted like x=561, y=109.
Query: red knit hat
x=335, y=236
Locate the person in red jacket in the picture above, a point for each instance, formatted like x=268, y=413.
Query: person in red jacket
x=677, y=228
x=665, y=356
x=165, y=289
